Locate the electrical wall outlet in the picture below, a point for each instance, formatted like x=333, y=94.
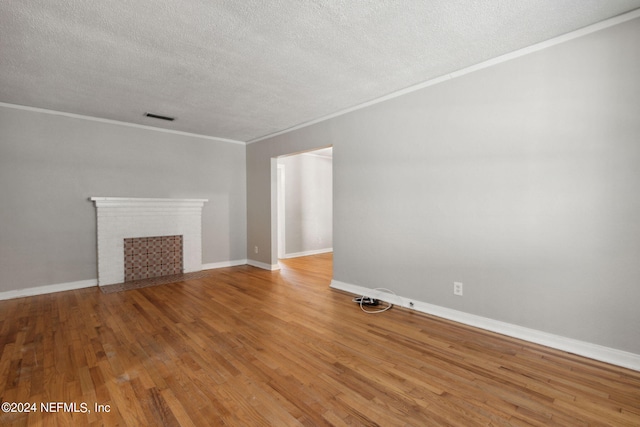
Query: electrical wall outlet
x=457, y=288
x=255, y=249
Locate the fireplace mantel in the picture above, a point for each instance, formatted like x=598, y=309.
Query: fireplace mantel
x=124, y=217
x=136, y=202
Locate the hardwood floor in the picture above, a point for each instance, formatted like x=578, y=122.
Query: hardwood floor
x=249, y=347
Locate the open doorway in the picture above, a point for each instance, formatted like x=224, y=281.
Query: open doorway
x=303, y=204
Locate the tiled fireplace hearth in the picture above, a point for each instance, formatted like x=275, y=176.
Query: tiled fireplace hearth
x=149, y=221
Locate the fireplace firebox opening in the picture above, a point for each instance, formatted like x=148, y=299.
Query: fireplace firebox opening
x=150, y=257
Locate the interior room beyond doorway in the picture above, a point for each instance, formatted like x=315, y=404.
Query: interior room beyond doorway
x=305, y=203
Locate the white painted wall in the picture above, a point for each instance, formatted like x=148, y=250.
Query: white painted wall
x=519, y=180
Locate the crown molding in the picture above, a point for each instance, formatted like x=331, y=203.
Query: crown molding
x=485, y=64
x=117, y=122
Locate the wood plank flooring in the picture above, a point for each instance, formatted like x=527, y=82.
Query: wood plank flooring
x=249, y=347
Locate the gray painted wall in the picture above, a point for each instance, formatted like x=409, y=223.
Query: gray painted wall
x=50, y=165
x=519, y=180
x=308, y=203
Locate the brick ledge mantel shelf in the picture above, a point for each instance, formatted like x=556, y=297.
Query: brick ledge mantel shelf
x=131, y=202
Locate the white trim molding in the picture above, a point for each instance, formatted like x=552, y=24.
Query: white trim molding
x=69, y=286
x=223, y=264
x=48, y=289
x=307, y=253
x=485, y=64
x=263, y=265
x=117, y=122
x=570, y=345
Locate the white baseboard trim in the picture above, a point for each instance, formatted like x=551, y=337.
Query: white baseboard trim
x=263, y=265
x=60, y=287
x=232, y=263
x=307, y=253
x=48, y=289
x=570, y=345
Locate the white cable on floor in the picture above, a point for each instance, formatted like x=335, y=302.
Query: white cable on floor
x=382, y=309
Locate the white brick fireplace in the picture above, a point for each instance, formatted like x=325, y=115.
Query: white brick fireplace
x=121, y=217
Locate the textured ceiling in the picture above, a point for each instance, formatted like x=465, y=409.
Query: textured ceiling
x=244, y=69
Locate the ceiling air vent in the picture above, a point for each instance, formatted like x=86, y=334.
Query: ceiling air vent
x=158, y=116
